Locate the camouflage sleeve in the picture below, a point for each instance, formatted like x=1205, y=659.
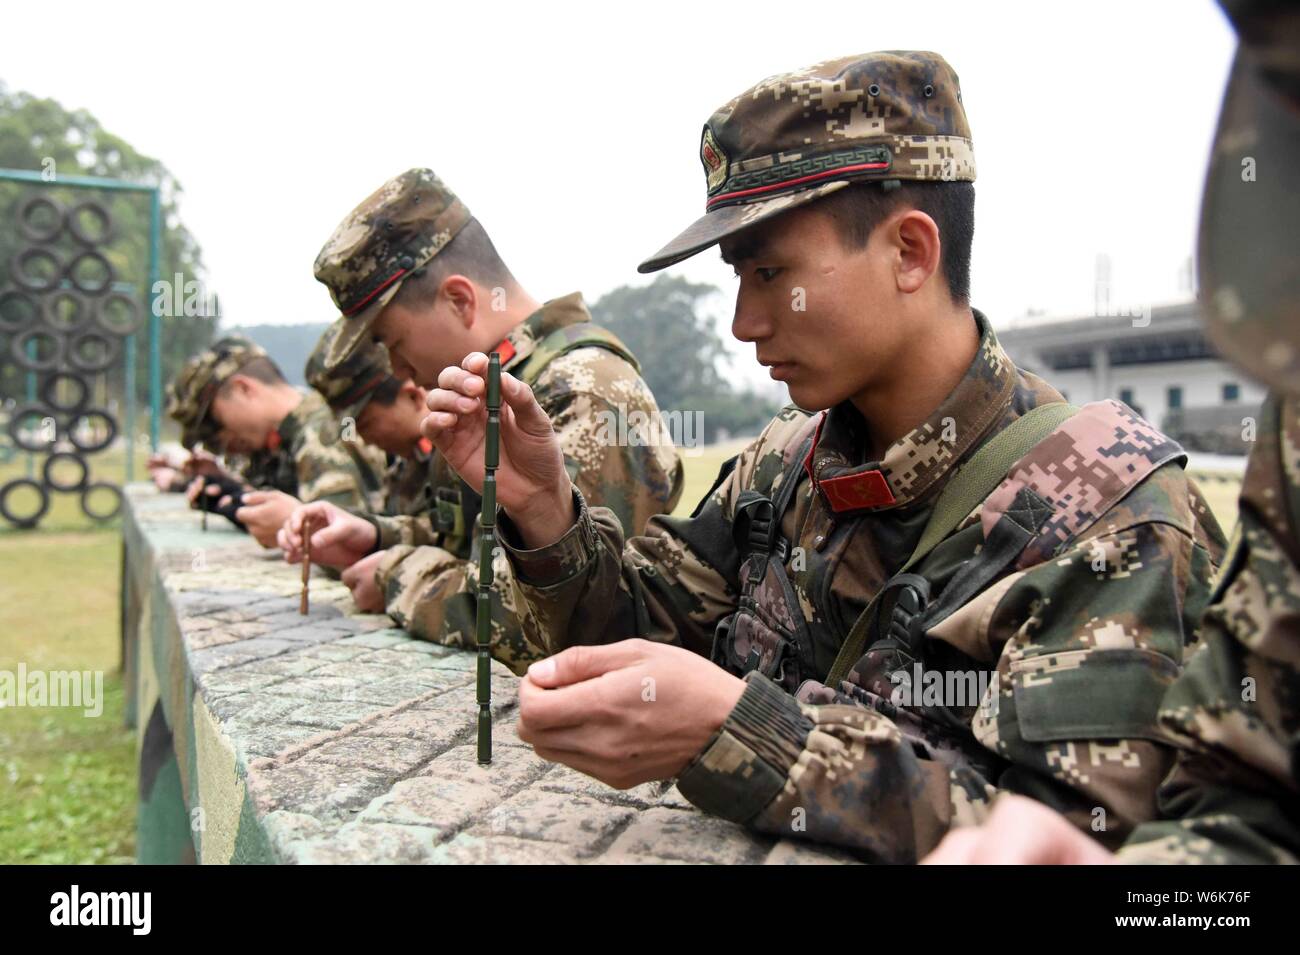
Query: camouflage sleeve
x=589, y=399
x=1234, y=791
x=328, y=473
x=1082, y=648
x=610, y=430
x=431, y=593
x=411, y=530
x=672, y=584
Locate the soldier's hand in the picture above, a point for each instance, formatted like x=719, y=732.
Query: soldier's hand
x=200, y=462
x=264, y=513
x=625, y=713
x=360, y=579
x=163, y=477
x=339, y=538
x=1019, y=831
x=532, y=485
x=200, y=486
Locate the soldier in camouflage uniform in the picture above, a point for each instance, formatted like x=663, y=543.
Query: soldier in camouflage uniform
x=412, y=268
x=232, y=399
x=1070, y=579
x=1234, y=793
x=369, y=400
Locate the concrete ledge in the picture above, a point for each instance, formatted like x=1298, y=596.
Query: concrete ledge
x=265, y=736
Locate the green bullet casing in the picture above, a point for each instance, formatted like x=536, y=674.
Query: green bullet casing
x=487, y=543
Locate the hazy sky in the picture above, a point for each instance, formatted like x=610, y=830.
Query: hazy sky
x=572, y=130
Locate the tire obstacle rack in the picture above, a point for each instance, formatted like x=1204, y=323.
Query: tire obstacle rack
x=66, y=322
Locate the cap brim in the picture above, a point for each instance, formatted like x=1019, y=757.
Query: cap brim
x=356, y=329
x=712, y=227
x=1249, y=284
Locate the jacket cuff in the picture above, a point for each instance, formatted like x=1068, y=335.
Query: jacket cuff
x=555, y=563
x=389, y=564
x=746, y=764
x=387, y=532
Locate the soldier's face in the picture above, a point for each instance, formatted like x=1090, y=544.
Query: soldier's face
x=823, y=318
x=395, y=428
x=240, y=417
x=423, y=340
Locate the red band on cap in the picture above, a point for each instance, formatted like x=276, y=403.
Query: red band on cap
x=828, y=174
x=349, y=312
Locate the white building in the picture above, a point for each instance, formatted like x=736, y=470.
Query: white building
x=1157, y=363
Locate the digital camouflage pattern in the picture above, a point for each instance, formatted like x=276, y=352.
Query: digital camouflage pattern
x=1077, y=647
x=409, y=486
x=190, y=394
x=347, y=386
x=797, y=136
x=1234, y=794
x=1235, y=790
x=308, y=458
x=392, y=233
x=1248, y=281
x=429, y=572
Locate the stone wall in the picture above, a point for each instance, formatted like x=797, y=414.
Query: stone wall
x=267, y=736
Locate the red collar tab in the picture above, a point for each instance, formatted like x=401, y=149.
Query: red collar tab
x=425, y=446
x=273, y=441
x=853, y=492
x=849, y=492
x=506, y=350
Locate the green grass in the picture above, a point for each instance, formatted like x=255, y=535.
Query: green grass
x=67, y=781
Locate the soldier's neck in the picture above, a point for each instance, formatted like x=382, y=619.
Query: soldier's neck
x=919, y=380
x=283, y=399
x=518, y=305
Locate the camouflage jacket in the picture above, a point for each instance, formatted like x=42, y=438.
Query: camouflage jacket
x=427, y=574
x=1234, y=793
x=312, y=462
x=1076, y=645
x=408, y=493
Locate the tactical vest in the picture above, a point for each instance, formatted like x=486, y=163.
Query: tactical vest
x=456, y=507
x=1018, y=527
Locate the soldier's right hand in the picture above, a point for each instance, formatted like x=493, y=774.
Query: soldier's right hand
x=532, y=484
x=339, y=538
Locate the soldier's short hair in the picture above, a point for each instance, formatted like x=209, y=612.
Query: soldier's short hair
x=260, y=369
x=471, y=254
x=859, y=208
x=386, y=392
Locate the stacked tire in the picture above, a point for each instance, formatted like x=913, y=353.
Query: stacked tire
x=62, y=320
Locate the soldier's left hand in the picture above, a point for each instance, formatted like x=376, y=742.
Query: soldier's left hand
x=625, y=713
x=360, y=579
x=264, y=512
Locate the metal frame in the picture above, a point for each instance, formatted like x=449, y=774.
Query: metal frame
x=155, y=323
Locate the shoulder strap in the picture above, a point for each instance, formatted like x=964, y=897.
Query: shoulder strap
x=564, y=340
x=976, y=479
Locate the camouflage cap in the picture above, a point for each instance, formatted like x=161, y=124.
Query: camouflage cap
x=348, y=386
x=397, y=229
x=797, y=136
x=1248, y=273
x=189, y=397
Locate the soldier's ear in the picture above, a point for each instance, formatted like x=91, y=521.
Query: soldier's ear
x=461, y=294
x=412, y=393
x=914, y=237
